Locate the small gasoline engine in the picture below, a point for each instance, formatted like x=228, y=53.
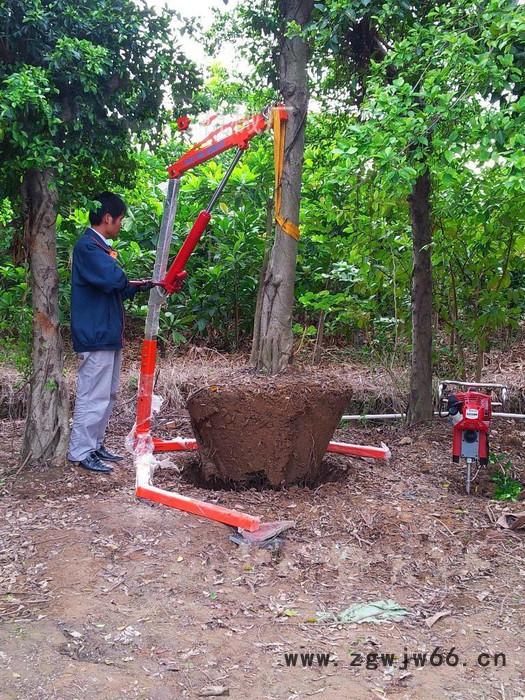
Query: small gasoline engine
x=470, y=413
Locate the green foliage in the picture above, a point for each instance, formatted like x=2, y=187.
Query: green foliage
x=228, y=93
x=78, y=81
x=507, y=488
x=448, y=100
x=256, y=30
x=81, y=87
x=15, y=318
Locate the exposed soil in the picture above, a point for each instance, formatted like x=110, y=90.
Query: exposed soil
x=267, y=430
x=103, y=596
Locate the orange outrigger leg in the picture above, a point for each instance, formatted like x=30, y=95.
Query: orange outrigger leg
x=205, y=510
x=344, y=448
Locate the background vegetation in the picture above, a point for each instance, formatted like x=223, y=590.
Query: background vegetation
x=455, y=102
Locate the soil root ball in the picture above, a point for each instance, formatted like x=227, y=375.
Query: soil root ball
x=267, y=430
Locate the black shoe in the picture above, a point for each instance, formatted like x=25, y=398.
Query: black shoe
x=102, y=453
x=93, y=464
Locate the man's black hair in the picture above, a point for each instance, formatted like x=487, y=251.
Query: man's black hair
x=110, y=203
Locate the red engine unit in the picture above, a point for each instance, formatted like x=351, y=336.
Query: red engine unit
x=471, y=413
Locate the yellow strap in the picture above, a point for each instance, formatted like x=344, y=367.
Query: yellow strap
x=279, y=133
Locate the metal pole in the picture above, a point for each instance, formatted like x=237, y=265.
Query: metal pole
x=156, y=298
x=224, y=180
x=469, y=469
x=394, y=416
x=157, y=295
x=375, y=416
x=508, y=415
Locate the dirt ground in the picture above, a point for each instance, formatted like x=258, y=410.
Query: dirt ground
x=104, y=596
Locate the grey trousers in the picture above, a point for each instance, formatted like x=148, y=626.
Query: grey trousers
x=97, y=385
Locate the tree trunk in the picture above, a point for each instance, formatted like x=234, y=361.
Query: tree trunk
x=420, y=405
x=275, y=335
x=47, y=425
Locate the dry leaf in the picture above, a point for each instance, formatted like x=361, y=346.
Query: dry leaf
x=171, y=665
x=405, y=441
x=512, y=521
x=210, y=691
x=431, y=621
x=519, y=523
x=368, y=517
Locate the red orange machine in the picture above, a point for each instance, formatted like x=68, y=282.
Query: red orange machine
x=168, y=281
x=470, y=413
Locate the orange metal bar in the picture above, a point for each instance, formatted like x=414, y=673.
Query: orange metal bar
x=147, y=375
x=174, y=445
x=206, y=510
x=237, y=133
x=346, y=448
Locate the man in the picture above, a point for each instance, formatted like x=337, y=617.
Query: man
x=98, y=288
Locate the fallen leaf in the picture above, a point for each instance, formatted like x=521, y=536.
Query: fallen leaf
x=72, y=633
x=431, y=621
x=512, y=521
x=405, y=441
x=214, y=691
x=171, y=665
x=519, y=523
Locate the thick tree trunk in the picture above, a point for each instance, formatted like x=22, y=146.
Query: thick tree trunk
x=47, y=425
x=275, y=335
x=420, y=406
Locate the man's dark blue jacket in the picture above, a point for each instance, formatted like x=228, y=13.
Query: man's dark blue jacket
x=98, y=287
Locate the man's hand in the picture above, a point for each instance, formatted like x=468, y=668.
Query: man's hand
x=142, y=285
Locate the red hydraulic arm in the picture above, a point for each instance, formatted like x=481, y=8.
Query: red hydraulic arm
x=235, y=134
